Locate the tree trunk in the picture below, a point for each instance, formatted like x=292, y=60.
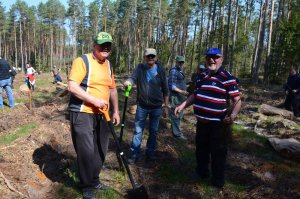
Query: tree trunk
x=271, y=110
x=261, y=42
x=254, y=68
x=201, y=32
x=222, y=27
x=234, y=36
x=213, y=25
x=51, y=46
x=267, y=64
x=34, y=46
x=208, y=23
x=227, y=33
x=194, y=38
x=21, y=44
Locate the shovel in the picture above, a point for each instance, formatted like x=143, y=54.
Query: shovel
x=127, y=91
x=138, y=191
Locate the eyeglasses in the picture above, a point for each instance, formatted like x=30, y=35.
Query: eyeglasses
x=150, y=56
x=212, y=56
x=105, y=47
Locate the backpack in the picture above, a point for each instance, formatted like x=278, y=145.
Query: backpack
x=13, y=72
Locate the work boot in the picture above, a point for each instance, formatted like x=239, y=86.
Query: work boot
x=133, y=159
x=181, y=137
x=89, y=194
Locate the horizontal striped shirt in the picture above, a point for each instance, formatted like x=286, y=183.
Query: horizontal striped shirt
x=212, y=94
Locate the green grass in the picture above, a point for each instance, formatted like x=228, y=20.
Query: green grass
x=22, y=131
x=70, y=188
x=236, y=187
x=43, y=81
x=254, y=144
x=119, y=177
x=187, y=156
x=109, y=194
x=72, y=174
x=40, y=97
x=67, y=192
x=171, y=174
x=247, y=134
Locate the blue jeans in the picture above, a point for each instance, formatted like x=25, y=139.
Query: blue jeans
x=6, y=84
x=140, y=120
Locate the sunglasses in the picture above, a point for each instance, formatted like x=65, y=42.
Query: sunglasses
x=150, y=56
x=212, y=56
x=181, y=62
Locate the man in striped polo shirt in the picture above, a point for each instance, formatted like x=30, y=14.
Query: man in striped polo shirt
x=214, y=88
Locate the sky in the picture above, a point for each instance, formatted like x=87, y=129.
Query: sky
x=7, y=3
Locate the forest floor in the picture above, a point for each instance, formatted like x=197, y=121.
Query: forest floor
x=37, y=158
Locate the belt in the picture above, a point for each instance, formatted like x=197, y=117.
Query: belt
x=203, y=121
x=99, y=116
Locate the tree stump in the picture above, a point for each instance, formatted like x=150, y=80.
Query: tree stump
x=271, y=110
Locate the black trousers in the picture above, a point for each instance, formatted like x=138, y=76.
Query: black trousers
x=291, y=103
x=90, y=136
x=211, y=144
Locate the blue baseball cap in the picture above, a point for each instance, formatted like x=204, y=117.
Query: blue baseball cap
x=214, y=51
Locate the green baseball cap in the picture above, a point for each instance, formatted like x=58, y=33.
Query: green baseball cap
x=180, y=58
x=102, y=37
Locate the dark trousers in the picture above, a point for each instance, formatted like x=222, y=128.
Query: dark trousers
x=90, y=136
x=292, y=103
x=211, y=144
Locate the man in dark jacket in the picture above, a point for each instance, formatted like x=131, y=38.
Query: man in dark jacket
x=152, y=92
x=292, y=88
x=5, y=82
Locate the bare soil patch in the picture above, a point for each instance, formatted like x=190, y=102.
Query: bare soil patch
x=37, y=165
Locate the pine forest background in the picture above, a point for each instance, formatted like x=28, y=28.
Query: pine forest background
x=260, y=39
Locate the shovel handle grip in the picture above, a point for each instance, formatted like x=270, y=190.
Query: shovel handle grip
x=127, y=91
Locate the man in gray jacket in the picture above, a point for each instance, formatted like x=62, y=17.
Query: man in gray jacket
x=152, y=92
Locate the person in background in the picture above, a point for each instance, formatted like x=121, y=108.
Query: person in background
x=178, y=93
x=152, y=91
x=214, y=116
x=13, y=73
x=92, y=86
x=191, y=85
x=56, y=76
x=200, y=69
x=30, y=78
x=5, y=83
x=292, y=89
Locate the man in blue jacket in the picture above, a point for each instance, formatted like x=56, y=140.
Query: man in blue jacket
x=292, y=89
x=152, y=92
x=5, y=82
